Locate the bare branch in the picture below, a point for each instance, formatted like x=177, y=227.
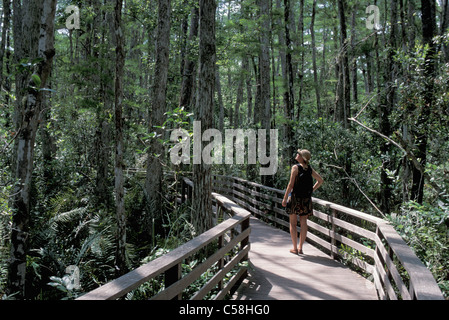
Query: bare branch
x=358, y=187
x=404, y=147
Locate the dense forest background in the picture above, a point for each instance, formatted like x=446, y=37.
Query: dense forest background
x=90, y=94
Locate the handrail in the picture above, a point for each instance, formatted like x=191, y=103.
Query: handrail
x=367, y=242
x=233, y=247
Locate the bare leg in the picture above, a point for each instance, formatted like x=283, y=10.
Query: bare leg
x=294, y=232
x=303, y=232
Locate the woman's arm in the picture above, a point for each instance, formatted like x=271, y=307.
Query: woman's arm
x=319, y=180
x=291, y=183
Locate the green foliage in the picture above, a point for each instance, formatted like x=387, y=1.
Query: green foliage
x=6, y=187
x=5, y=226
x=331, y=144
x=76, y=237
x=70, y=226
x=425, y=228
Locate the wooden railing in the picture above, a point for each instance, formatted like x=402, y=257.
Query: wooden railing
x=369, y=244
x=231, y=240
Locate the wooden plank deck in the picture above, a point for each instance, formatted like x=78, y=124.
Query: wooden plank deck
x=277, y=274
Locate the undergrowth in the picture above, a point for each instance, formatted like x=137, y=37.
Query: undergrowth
x=425, y=228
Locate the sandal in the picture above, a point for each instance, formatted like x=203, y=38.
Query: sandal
x=293, y=251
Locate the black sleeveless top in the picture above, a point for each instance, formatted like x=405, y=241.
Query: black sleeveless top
x=303, y=186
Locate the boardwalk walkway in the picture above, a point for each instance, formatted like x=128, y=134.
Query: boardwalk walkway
x=275, y=273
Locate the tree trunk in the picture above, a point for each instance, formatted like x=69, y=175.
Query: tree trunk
x=287, y=131
x=444, y=27
x=301, y=65
x=407, y=165
x=103, y=197
x=257, y=105
x=315, y=71
x=264, y=73
x=344, y=93
x=385, y=109
x=421, y=128
x=238, y=101
x=354, y=55
x=153, y=183
x=188, y=75
x=289, y=94
x=290, y=107
x=5, y=30
x=264, y=63
x=249, y=90
x=273, y=84
x=32, y=20
x=369, y=77
x=411, y=12
x=202, y=189
x=120, y=258
x=220, y=99
x=183, y=36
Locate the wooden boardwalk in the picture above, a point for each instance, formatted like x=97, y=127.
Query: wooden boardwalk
x=274, y=272
x=277, y=274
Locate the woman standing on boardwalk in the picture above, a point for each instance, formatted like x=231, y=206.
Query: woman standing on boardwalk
x=299, y=202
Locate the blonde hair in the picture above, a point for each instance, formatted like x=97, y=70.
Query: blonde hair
x=305, y=154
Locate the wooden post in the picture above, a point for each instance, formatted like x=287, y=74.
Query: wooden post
x=333, y=242
x=245, y=225
x=388, y=270
x=221, y=261
x=172, y=276
x=256, y=205
x=412, y=291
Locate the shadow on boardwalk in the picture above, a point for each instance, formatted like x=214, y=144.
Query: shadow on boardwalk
x=277, y=274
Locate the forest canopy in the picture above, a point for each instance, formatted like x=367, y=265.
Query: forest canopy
x=92, y=90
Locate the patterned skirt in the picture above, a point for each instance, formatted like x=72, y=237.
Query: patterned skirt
x=300, y=206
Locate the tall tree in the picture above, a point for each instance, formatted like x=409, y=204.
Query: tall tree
x=385, y=108
x=445, y=26
x=34, y=38
x=314, y=64
x=203, y=111
x=289, y=94
x=421, y=130
x=302, y=53
x=105, y=95
x=238, y=100
x=120, y=258
x=264, y=73
x=354, y=56
x=220, y=99
x=5, y=30
x=249, y=90
x=264, y=63
x=344, y=91
x=153, y=183
x=188, y=75
x=343, y=111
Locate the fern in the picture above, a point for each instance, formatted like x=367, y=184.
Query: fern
x=71, y=217
x=74, y=237
x=63, y=201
